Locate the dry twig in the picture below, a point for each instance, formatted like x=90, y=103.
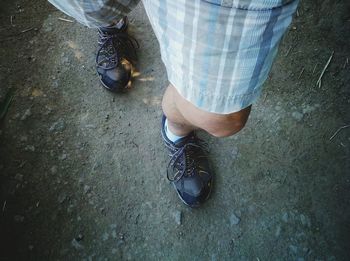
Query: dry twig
x=319, y=81
x=65, y=20
x=4, y=206
x=11, y=20
x=27, y=30
x=288, y=51
x=301, y=73
x=338, y=130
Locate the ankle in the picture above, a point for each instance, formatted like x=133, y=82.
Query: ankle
x=178, y=129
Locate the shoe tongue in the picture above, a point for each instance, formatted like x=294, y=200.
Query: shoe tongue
x=114, y=28
x=181, y=142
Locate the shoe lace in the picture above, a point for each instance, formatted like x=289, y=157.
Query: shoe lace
x=107, y=56
x=182, y=161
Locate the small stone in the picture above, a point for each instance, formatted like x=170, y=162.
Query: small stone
x=234, y=220
x=29, y=148
x=278, y=231
x=19, y=218
x=114, y=251
x=285, y=217
x=26, y=114
x=54, y=84
x=293, y=249
x=86, y=189
x=79, y=237
x=19, y=177
x=178, y=217
x=47, y=29
x=308, y=109
x=278, y=108
x=114, y=234
x=62, y=197
x=297, y=116
x=70, y=208
x=303, y=219
x=58, y=126
x=53, y=169
x=105, y=236
x=76, y=244
x=65, y=59
x=23, y=138
x=63, y=156
x=234, y=153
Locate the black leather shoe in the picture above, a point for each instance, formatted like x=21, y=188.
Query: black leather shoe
x=115, y=56
x=189, y=170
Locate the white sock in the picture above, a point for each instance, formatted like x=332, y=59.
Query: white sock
x=171, y=136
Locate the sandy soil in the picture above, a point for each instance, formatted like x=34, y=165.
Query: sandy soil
x=83, y=170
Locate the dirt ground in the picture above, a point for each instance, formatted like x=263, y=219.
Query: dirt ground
x=82, y=171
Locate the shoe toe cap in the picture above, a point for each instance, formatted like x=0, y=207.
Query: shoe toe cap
x=195, y=191
x=115, y=80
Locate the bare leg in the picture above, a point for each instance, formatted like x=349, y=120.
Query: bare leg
x=183, y=117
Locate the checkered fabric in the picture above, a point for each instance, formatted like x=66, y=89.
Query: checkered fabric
x=217, y=53
x=95, y=13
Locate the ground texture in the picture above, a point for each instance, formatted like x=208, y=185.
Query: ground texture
x=82, y=171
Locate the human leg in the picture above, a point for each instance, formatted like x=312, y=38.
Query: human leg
x=217, y=59
x=184, y=117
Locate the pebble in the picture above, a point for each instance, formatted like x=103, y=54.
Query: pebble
x=234, y=220
x=23, y=138
x=26, y=114
x=19, y=218
x=178, y=217
x=278, y=231
x=63, y=157
x=114, y=251
x=308, y=109
x=293, y=249
x=234, y=153
x=29, y=148
x=297, y=115
x=62, y=197
x=76, y=244
x=79, y=237
x=105, y=236
x=305, y=220
x=65, y=59
x=285, y=217
x=58, y=126
x=19, y=177
x=86, y=189
x=113, y=226
x=53, y=169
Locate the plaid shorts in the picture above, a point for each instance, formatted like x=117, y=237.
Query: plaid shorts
x=217, y=53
